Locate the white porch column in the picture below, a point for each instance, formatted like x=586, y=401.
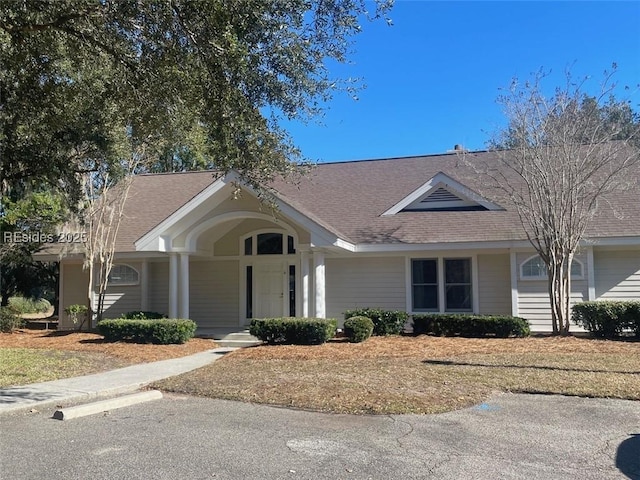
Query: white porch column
x=591, y=275
x=173, y=285
x=514, y=283
x=304, y=276
x=144, y=285
x=318, y=277
x=184, y=285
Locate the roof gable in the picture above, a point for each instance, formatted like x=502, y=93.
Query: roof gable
x=443, y=193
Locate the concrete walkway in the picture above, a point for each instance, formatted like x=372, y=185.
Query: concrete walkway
x=113, y=382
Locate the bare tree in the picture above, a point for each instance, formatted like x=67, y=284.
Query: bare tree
x=559, y=159
x=106, y=192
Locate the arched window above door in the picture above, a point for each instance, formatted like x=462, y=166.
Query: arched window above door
x=269, y=243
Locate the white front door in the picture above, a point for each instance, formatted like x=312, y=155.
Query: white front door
x=269, y=280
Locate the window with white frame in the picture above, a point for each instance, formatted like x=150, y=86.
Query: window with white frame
x=457, y=284
x=534, y=268
x=426, y=285
x=123, y=275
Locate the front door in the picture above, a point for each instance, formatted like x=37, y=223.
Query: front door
x=268, y=281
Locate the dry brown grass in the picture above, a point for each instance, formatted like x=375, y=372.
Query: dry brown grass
x=416, y=374
x=28, y=356
x=91, y=342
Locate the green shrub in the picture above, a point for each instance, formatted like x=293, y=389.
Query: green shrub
x=163, y=331
x=29, y=305
x=9, y=320
x=142, y=315
x=358, y=329
x=470, y=325
x=299, y=331
x=608, y=319
x=385, y=322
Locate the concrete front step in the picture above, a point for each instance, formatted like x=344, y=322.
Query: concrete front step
x=229, y=338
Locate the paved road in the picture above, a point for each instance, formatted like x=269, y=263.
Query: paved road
x=509, y=437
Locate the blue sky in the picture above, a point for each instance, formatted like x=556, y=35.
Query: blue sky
x=433, y=77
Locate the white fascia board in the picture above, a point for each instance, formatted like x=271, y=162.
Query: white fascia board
x=517, y=245
x=152, y=240
x=444, y=180
x=409, y=247
x=611, y=242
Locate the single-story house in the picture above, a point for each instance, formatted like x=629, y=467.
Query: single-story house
x=419, y=234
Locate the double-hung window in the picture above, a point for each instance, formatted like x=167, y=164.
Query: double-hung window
x=424, y=279
x=454, y=286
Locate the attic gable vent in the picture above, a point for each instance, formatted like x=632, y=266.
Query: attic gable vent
x=442, y=193
x=440, y=198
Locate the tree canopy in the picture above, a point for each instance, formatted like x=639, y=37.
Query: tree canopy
x=84, y=82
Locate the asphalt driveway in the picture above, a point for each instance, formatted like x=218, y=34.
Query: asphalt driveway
x=508, y=437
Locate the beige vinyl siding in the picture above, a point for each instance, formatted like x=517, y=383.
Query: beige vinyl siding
x=214, y=291
x=159, y=287
x=121, y=299
x=74, y=292
x=617, y=274
x=364, y=282
x=494, y=284
x=533, y=297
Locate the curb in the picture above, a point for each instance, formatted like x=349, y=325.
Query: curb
x=104, y=405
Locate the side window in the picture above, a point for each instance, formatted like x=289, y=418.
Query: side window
x=123, y=275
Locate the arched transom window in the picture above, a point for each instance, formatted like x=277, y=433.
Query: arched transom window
x=534, y=269
x=123, y=275
x=269, y=243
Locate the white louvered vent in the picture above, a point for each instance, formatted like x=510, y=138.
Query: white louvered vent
x=440, y=195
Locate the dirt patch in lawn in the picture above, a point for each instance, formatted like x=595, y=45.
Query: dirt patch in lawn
x=416, y=374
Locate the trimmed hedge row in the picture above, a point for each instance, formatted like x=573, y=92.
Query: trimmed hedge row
x=608, y=319
x=358, y=329
x=470, y=325
x=299, y=331
x=164, y=331
x=142, y=315
x=385, y=322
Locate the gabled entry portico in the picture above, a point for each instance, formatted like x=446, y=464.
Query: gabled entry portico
x=226, y=254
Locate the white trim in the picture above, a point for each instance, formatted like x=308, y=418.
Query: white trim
x=475, y=289
x=304, y=278
x=513, y=266
x=319, y=284
x=442, y=300
x=408, y=283
x=173, y=285
x=441, y=180
x=184, y=286
x=591, y=275
x=144, y=285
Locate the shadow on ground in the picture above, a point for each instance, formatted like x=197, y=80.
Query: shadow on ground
x=628, y=457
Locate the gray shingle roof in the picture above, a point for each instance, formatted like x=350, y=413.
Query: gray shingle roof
x=349, y=198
